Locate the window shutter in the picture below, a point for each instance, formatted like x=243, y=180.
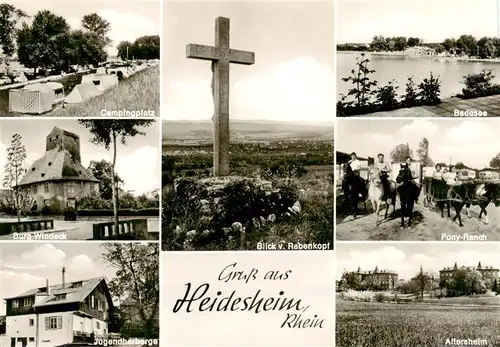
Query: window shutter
x=47, y=323
x=59, y=322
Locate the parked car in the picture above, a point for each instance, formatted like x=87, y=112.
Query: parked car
x=5, y=80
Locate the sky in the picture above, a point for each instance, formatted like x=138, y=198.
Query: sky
x=473, y=142
x=430, y=20
x=291, y=80
x=406, y=259
x=138, y=162
x=24, y=266
x=311, y=279
x=129, y=19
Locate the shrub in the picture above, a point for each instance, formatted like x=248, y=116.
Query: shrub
x=70, y=214
x=478, y=84
x=362, y=90
x=411, y=95
x=379, y=297
x=386, y=96
x=430, y=89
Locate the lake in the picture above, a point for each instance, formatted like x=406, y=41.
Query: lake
x=399, y=68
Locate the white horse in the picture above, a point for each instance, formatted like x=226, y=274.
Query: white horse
x=376, y=192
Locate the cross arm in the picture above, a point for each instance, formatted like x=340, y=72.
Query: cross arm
x=241, y=57
x=201, y=52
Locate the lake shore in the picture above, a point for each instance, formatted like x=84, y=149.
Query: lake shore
x=413, y=56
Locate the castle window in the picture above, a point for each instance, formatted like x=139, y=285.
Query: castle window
x=33, y=169
x=42, y=175
x=32, y=339
x=46, y=188
x=71, y=187
x=98, y=325
x=50, y=163
x=32, y=322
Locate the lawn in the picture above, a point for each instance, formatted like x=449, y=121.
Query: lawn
x=413, y=325
x=139, y=92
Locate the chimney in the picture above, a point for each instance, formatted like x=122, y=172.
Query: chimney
x=47, y=286
x=63, y=277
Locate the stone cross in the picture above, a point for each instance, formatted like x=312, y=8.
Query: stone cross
x=221, y=56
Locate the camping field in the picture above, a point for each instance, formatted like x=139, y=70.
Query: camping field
x=418, y=325
x=139, y=92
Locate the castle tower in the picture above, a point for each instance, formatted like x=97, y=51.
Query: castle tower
x=479, y=267
x=64, y=140
x=455, y=266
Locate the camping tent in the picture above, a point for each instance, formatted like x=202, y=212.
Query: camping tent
x=82, y=92
x=103, y=82
x=21, y=78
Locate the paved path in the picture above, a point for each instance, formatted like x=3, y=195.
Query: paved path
x=490, y=104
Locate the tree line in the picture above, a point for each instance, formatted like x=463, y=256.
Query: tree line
x=402, y=151
x=49, y=43
x=462, y=282
x=465, y=45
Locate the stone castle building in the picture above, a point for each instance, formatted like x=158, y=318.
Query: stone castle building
x=58, y=179
x=488, y=272
x=377, y=279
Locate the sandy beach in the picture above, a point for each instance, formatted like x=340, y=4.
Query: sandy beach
x=415, y=56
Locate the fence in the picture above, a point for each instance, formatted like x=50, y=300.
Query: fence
x=7, y=228
x=130, y=229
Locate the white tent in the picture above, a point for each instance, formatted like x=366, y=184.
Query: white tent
x=21, y=78
x=103, y=82
x=82, y=92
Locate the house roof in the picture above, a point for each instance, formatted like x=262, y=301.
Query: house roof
x=73, y=294
x=56, y=164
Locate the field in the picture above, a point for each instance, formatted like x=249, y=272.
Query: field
x=302, y=158
x=139, y=92
x=416, y=325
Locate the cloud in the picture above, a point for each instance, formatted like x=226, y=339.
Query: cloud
x=471, y=142
x=296, y=90
x=140, y=170
x=40, y=257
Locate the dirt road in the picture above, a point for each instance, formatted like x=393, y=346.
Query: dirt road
x=427, y=225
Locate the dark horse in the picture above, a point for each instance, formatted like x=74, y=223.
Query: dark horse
x=458, y=197
x=355, y=189
x=491, y=194
x=408, y=193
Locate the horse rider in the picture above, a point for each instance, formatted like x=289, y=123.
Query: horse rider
x=408, y=163
x=450, y=178
x=438, y=173
x=355, y=165
x=385, y=170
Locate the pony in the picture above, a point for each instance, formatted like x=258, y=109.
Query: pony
x=376, y=192
x=354, y=188
x=408, y=193
x=486, y=193
x=456, y=196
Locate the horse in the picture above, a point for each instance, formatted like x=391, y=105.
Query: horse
x=486, y=193
x=376, y=192
x=354, y=188
x=408, y=193
x=457, y=197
